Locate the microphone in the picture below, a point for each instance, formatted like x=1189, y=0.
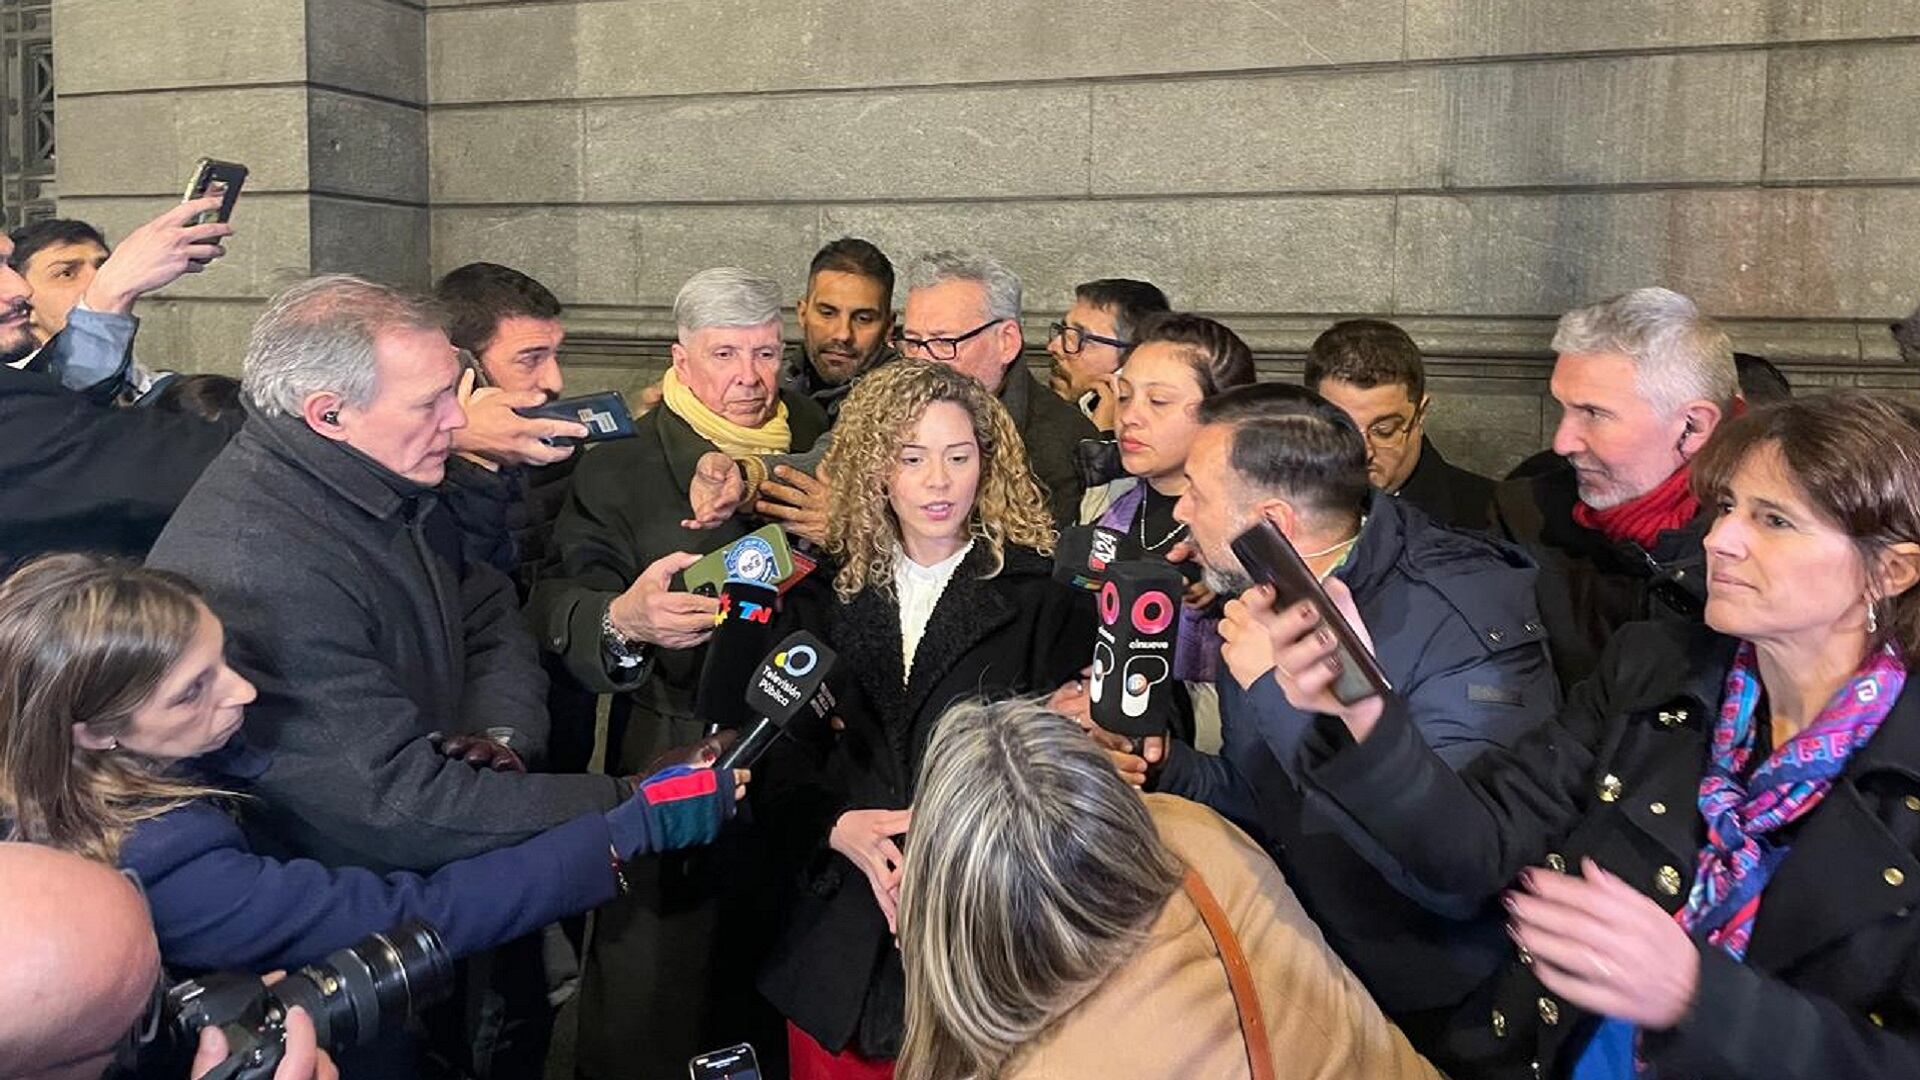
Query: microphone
x=742, y=633
x=783, y=684
x=1131, y=687
x=1083, y=553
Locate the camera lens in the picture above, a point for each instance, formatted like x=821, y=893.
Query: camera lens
x=372, y=986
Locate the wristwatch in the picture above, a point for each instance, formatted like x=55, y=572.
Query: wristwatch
x=626, y=654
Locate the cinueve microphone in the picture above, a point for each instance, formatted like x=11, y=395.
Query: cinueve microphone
x=742, y=634
x=783, y=684
x=1130, y=688
x=1082, y=555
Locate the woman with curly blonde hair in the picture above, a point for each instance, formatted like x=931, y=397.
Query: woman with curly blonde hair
x=943, y=591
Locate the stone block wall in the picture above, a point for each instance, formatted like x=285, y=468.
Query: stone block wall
x=1468, y=167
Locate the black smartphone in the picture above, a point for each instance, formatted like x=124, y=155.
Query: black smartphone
x=605, y=416
x=222, y=178
x=1270, y=558
x=733, y=1063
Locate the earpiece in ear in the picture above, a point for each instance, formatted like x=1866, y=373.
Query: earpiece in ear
x=332, y=416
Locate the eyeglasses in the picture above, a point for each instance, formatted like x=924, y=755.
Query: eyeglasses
x=1393, y=430
x=939, y=348
x=1074, y=338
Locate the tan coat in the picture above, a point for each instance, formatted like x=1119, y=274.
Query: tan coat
x=1168, y=1012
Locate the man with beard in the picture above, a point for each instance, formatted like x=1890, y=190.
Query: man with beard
x=1642, y=380
x=1090, y=339
x=1460, y=640
x=76, y=473
x=845, y=318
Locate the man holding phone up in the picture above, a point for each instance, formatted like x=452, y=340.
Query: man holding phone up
x=1459, y=636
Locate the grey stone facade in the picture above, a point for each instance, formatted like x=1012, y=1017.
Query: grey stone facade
x=1469, y=167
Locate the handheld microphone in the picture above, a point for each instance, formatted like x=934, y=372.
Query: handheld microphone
x=742, y=634
x=784, y=683
x=1083, y=553
x=1131, y=687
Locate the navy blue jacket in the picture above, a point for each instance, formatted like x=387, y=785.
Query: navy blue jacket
x=1456, y=628
x=216, y=904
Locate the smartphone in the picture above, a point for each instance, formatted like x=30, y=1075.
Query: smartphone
x=222, y=178
x=761, y=556
x=605, y=416
x=733, y=1063
x=1269, y=558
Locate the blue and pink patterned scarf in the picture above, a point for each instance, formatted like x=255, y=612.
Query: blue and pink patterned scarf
x=1741, y=856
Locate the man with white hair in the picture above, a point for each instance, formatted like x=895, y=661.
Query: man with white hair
x=1642, y=379
x=963, y=309
x=348, y=602
x=669, y=971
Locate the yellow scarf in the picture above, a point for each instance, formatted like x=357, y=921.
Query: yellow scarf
x=772, y=437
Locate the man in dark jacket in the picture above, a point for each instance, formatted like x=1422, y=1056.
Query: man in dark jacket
x=669, y=970
x=348, y=600
x=75, y=472
x=845, y=319
x=963, y=309
x=1375, y=373
x=1643, y=379
x=1458, y=636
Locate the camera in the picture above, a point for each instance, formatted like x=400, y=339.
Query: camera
x=354, y=996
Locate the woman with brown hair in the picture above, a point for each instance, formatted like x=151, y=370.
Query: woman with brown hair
x=942, y=590
x=116, y=699
x=1728, y=815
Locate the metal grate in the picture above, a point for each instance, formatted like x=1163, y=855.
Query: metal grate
x=27, y=159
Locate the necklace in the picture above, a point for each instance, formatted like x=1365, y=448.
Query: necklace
x=1179, y=529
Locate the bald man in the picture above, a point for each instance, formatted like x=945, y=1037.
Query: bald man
x=81, y=968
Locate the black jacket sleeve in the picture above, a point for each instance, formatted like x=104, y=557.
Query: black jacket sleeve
x=1466, y=834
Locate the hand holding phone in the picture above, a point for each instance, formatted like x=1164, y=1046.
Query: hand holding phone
x=1270, y=559
x=604, y=415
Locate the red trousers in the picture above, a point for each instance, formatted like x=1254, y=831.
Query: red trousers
x=811, y=1061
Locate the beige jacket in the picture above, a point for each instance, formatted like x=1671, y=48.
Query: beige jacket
x=1168, y=1012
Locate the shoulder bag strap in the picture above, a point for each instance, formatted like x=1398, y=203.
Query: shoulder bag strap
x=1246, y=1000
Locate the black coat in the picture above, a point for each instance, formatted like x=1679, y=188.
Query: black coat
x=621, y=513
x=349, y=603
x=836, y=973
x=78, y=474
x=1831, y=983
x=1448, y=493
x=1589, y=585
x=1456, y=631
x=1051, y=427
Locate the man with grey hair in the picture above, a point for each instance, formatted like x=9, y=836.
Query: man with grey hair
x=1642, y=379
x=663, y=979
x=963, y=309
x=321, y=543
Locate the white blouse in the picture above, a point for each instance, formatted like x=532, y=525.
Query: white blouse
x=918, y=589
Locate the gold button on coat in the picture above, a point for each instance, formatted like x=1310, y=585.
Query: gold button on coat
x=1658, y=807
x=1549, y=1011
x=1669, y=880
x=1913, y=802
x=1894, y=876
x=1555, y=863
x=1610, y=788
x=1499, y=1024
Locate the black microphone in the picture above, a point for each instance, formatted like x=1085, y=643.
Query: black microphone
x=1083, y=553
x=740, y=638
x=784, y=683
x=1131, y=686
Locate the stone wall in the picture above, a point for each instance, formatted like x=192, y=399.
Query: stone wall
x=1469, y=167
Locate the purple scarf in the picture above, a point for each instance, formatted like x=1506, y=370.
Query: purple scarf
x=1741, y=856
x=1197, y=655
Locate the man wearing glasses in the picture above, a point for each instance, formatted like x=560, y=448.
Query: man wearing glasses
x=963, y=309
x=1087, y=344
x=1373, y=371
